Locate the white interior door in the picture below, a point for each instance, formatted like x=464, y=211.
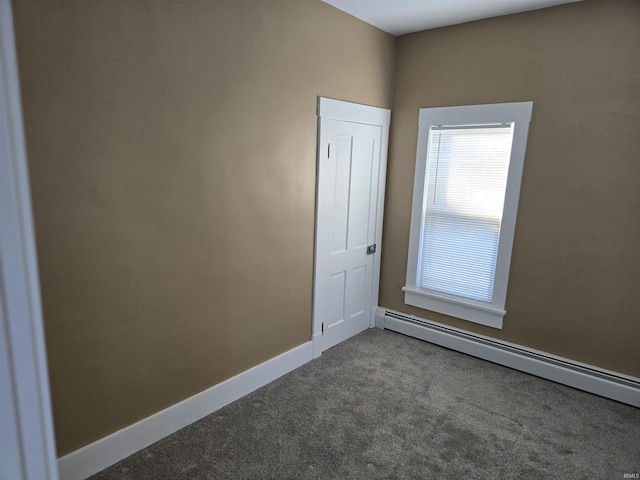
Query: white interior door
x=351, y=169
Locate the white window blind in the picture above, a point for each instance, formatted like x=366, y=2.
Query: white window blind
x=465, y=186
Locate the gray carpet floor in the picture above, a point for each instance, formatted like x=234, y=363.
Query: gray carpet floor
x=382, y=405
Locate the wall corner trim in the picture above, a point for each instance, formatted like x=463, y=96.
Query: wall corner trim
x=608, y=384
x=109, y=450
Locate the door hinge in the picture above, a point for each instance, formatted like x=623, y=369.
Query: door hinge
x=371, y=249
x=328, y=150
x=322, y=328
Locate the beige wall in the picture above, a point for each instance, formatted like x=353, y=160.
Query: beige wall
x=172, y=155
x=574, y=288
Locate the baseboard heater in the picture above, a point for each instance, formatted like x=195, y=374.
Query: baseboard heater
x=601, y=382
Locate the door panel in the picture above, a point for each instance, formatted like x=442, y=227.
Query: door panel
x=339, y=173
x=346, y=221
x=358, y=297
x=361, y=175
x=338, y=287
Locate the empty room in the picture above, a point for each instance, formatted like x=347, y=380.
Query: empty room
x=433, y=273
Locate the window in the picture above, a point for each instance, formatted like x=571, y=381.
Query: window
x=467, y=183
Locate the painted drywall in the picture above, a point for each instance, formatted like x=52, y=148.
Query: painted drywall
x=574, y=287
x=172, y=152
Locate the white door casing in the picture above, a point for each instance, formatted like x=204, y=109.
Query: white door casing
x=352, y=152
x=27, y=448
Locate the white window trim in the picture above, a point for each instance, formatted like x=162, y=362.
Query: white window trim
x=490, y=314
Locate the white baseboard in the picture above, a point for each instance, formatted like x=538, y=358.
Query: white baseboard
x=105, y=452
x=613, y=385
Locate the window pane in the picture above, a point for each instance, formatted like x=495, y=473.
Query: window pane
x=465, y=187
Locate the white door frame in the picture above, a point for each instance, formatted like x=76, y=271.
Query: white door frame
x=27, y=448
x=330, y=109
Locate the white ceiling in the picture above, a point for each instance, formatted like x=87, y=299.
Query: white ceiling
x=405, y=16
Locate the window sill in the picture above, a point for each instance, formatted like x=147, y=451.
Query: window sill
x=465, y=309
